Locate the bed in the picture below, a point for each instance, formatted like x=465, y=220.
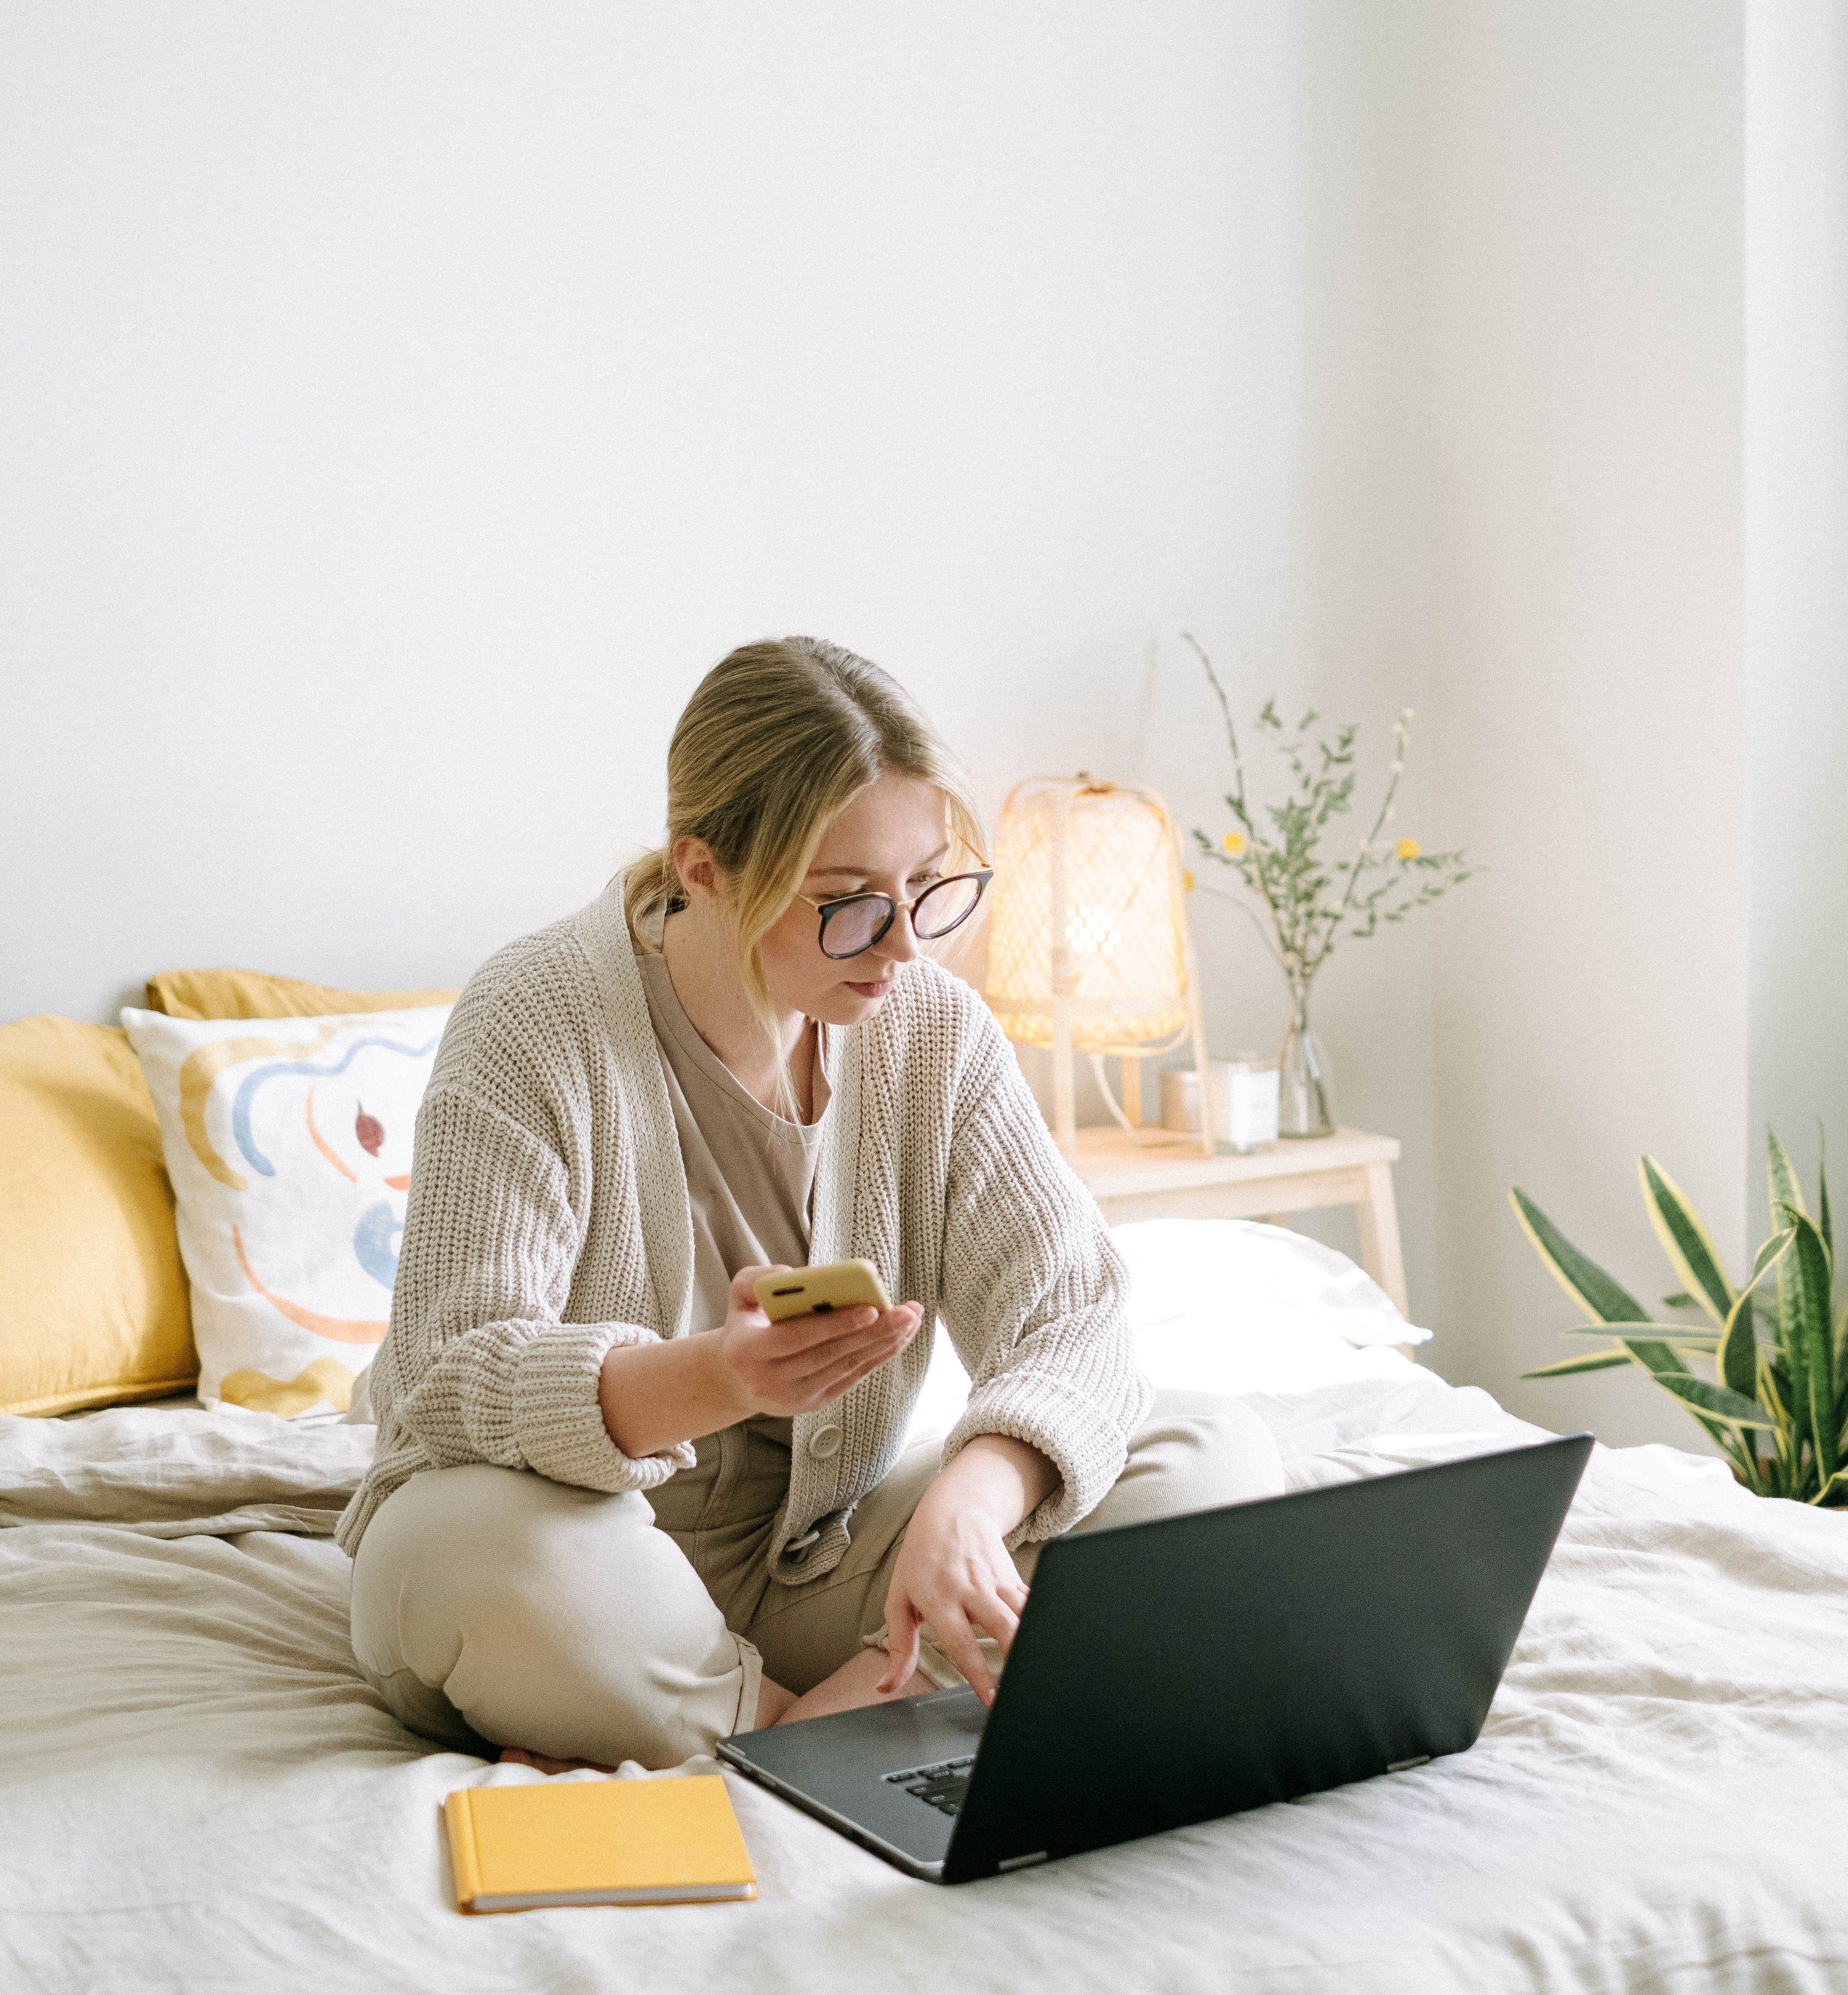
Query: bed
x=201, y=1793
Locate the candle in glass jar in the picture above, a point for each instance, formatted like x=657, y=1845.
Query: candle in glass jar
x=1251, y=1083
x=1241, y=1094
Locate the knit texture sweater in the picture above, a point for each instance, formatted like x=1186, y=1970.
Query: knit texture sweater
x=548, y=1221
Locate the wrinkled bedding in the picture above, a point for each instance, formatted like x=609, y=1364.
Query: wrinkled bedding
x=200, y=1793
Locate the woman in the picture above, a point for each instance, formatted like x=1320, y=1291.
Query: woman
x=614, y=1512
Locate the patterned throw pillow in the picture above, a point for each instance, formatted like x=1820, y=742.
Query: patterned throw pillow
x=288, y=1141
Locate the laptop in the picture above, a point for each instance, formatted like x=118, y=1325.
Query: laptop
x=1174, y=1671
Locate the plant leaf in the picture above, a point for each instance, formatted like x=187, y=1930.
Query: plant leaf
x=1737, y=1358
x=1824, y=1225
x=1838, y=1480
x=1673, y=1333
x=1770, y=1255
x=1733, y=1408
x=1583, y=1280
x=1680, y=1299
x=1705, y=1341
x=1686, y=1241
x=1769, y=1398
x=1660, y=1359
x=1785, y=1189
x=1812, y=1360
x=1751, y=1464
x=1599, y=1361
x=1666, y=1366
x=1784, y=1464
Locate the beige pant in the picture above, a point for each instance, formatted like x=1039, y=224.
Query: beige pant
x=492, y=1604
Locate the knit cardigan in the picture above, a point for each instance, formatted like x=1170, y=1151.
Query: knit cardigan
x=548, y=1221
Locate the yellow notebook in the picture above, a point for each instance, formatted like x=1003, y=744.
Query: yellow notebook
x=596, y=1842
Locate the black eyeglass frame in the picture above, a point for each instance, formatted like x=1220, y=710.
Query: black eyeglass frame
x=828, y=909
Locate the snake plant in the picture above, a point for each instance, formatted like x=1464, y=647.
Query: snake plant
x=1777, y=1405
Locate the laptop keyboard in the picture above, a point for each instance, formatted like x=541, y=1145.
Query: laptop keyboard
x=941, y=1787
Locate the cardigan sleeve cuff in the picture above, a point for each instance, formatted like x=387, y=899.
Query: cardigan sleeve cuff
x=558, y=1422
x=1085, y=1444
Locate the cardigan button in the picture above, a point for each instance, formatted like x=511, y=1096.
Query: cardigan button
x=824, y=1442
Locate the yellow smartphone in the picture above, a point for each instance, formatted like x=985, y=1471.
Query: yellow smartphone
x=815, y=1291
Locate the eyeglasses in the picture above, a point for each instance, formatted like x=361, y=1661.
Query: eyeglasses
x=850, y=925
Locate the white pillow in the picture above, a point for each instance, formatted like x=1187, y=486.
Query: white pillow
x=1244, y=1273
x=1227, y=1306
x=288, y=1141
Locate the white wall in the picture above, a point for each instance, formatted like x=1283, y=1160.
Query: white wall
x=1586, y=384
x=406, y=403
x=1329, y=608
x=402, y=404
x=1796, y=554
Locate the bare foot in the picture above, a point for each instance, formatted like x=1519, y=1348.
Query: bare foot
x=517, y=1756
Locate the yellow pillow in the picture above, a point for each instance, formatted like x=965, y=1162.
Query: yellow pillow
x=249, y=994
x=94, y=1306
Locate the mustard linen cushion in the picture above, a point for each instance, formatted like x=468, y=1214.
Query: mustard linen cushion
x=93, y=1296
x=288, y=1141
x=252, y=994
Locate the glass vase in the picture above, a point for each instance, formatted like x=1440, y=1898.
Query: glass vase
x=1304, y=1092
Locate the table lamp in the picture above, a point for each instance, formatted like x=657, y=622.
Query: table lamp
x=1089, y=949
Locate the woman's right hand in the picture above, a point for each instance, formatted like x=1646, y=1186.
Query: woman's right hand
x=655, y=1395
x=805, y=1361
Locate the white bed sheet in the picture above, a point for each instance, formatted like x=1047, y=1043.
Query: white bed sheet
x=200, y=1793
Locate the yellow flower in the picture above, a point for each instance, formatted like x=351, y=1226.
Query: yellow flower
x=1234, y=842
x=1187, y=880
x=1408, y=848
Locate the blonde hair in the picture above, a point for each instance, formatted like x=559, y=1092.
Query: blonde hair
x=778, y=738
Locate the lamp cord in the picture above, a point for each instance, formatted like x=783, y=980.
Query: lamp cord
x=1103, y=1088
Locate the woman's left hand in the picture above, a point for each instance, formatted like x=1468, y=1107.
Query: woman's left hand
x=954, y=1570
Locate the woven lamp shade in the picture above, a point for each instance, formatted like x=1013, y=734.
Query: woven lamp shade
x=1124, y=935
x=1088, y=945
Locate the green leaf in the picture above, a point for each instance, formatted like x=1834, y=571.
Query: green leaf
x=1749, y=1464
x=1736, y=1360
x=1785, y=1189
x=1583, y=1280
x=1686, y=1241
x=1770, y=1255
x=1838, y=1480
x=1680, y=1300
x=1673, y=1332
x=1665, y=1366
x=1655, y=1357
x=1771, y=1397
x=1733, y=1408
x=1824, y=1226
x=1705, y=1344
x=1599, y=1361
x=1804, y=1285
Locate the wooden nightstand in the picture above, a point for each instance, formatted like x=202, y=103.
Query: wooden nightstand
x=1167, y=1178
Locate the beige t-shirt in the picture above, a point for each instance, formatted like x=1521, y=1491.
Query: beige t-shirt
x=750, y=1181
x=750, y=1174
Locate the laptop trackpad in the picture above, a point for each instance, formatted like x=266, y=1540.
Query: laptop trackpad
x=896, y=1769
